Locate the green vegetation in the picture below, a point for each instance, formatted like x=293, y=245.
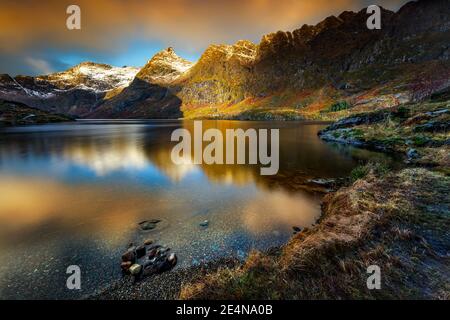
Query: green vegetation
x=339, y=106
x=377, y=168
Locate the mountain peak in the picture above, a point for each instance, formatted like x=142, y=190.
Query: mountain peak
x=164, y=66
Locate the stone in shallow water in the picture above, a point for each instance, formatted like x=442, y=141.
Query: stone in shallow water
x=204, y=223
x=296, y=229
x=148, y=242
x=148, y=225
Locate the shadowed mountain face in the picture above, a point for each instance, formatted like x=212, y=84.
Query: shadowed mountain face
x=299, y=74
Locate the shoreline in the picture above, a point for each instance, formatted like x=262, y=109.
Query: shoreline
x=395, y=218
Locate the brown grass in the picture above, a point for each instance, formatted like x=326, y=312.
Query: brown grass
x=385, y=221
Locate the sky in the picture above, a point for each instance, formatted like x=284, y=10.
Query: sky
x=34, y=38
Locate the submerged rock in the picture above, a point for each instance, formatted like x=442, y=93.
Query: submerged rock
x=149, y=224
x=204, y=223
x=148, y=242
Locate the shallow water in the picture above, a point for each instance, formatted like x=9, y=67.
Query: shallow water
x=72, y=194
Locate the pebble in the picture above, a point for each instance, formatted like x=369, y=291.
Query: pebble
x=204, y=223
x=135, y=269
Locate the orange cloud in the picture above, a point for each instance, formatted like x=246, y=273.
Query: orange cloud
x=192, y=24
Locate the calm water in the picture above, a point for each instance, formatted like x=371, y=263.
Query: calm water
x=72, y=194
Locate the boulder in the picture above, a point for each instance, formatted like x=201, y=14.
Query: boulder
x=129, y=256
x=140, y=252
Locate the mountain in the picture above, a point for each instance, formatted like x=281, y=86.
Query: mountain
x=325, y=71
x=322, y=71
x=75, y=91
x=148, y=95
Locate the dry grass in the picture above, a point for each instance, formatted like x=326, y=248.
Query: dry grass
x=398, y=222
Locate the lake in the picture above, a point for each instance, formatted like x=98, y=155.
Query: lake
x=74, y=193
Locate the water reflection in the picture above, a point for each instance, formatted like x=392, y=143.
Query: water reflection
x=73, y=194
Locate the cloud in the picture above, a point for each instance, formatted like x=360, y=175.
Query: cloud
x=40, y=66
x=191, y=24
x=34, y=38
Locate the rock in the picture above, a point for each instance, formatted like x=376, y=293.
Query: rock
x=412, y=154
x=125, y=266
x=155, y=246
x=140, y=252
x=172, y=259
x=152, y=253
x=135, y=269
x=204, y=223
x=148, y=242
x=129, y=256
x=149, y=224
x=433, y=126
x=297, y=229
x=162, y=250
x=322, y=182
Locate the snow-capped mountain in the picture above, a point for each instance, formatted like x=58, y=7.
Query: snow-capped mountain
x=75, y=91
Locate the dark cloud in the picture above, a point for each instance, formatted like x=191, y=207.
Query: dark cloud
x=188, y=25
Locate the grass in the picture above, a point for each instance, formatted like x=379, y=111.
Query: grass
x=385, y=221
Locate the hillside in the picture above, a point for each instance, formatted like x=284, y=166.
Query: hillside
x=13, y=113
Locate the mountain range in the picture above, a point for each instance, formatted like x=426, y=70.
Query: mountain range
x=325, y=71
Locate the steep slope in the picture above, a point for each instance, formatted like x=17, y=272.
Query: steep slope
x=304, y=73
x=301, y=73
x=74, y=91
x=148, y=95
